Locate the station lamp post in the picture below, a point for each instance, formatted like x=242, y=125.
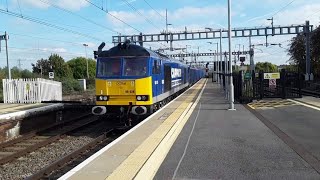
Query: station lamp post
x=231, y=100
x=85, y=47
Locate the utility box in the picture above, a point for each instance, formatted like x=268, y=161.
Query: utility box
x=83, y=84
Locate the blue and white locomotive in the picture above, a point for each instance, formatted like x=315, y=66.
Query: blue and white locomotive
x=133, y=80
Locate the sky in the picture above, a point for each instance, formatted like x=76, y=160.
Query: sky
x=65, y=25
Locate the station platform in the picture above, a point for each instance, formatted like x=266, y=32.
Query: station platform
x=197, y=137
x=19, y=111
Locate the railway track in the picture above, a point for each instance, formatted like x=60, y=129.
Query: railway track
x=52, y=152
x=25, y=144
x=62, y=165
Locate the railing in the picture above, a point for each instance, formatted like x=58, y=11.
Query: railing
x=288, y=86
x=31, y=90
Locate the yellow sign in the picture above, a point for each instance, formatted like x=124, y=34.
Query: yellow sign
x=271, y=75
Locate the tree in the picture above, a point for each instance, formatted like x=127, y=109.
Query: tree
x=42, y=65
x=61, y=69
x=297, y=51
x=266, y=67
x=56, y=62
x=78, y=67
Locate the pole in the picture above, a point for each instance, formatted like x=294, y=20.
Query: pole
x=308, y=66
x=6, y=39
x=216, y=64
x=85, y=47
x=166, y=21
x=251, y=55
x=230, y=63
x=219, y=61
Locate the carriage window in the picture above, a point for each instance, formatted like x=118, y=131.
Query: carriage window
x=108, y=67
x=135, y=67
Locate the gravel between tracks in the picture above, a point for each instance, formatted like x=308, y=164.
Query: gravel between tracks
x=27, y=165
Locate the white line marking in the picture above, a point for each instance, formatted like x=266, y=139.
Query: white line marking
x=185, y=149
x=151, y=166
x=303, y=104
x=97, y=154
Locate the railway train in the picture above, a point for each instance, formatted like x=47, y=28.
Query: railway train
x=133, y=80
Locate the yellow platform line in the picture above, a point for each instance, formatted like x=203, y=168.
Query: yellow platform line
x=129, y=168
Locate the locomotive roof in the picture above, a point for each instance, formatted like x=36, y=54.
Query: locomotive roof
x=128, y=50
x=134, y=50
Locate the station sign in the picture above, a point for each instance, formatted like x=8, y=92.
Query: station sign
x=51, y=75
x=271, y=75
x=272, y=83
x=247, y=75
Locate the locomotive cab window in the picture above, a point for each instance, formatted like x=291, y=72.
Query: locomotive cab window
x=156, y=67
x=108, y=67
x=135, y=67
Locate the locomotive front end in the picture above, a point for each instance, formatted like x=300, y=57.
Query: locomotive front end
x=123, y=96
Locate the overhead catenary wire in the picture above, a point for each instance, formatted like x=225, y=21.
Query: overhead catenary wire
x=7, y=5
x=283, y=8
x=82, y=17
x=18, y=1
x=154, y=9
x=48, y=39
x=150, y=22
x=32, y=19
x=106, y=11
x=42, y=50
x=93, y=4
x=137, y=11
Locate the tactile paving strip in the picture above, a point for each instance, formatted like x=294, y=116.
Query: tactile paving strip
x=271, y=104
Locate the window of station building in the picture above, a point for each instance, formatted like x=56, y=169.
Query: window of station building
x=135, y=67
x=108, y=67
x=156, y=67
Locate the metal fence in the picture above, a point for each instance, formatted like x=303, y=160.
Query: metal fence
x=31, y=90
x=257, y=87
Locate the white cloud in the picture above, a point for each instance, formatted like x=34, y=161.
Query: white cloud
x=74, y=5
x=197, y=12
x=34, y=3
x=57, y=50
x=183, y=15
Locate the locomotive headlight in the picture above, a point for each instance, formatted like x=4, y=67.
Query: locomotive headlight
x=142, y=98
x=102, y=98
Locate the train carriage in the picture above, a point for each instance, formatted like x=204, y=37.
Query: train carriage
x=133, y=80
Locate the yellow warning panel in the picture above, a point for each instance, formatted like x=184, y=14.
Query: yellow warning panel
x=271, y=104
x=271, y=75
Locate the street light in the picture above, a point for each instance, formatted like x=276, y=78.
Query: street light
x=230, y=63
x=85, y=47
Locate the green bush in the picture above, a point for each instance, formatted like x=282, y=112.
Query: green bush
x=70, y=85
x=1, y=93
x=91, y=83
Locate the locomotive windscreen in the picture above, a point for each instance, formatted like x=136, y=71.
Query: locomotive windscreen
x=116, y=67
x=135, y=66
x=109, y=67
